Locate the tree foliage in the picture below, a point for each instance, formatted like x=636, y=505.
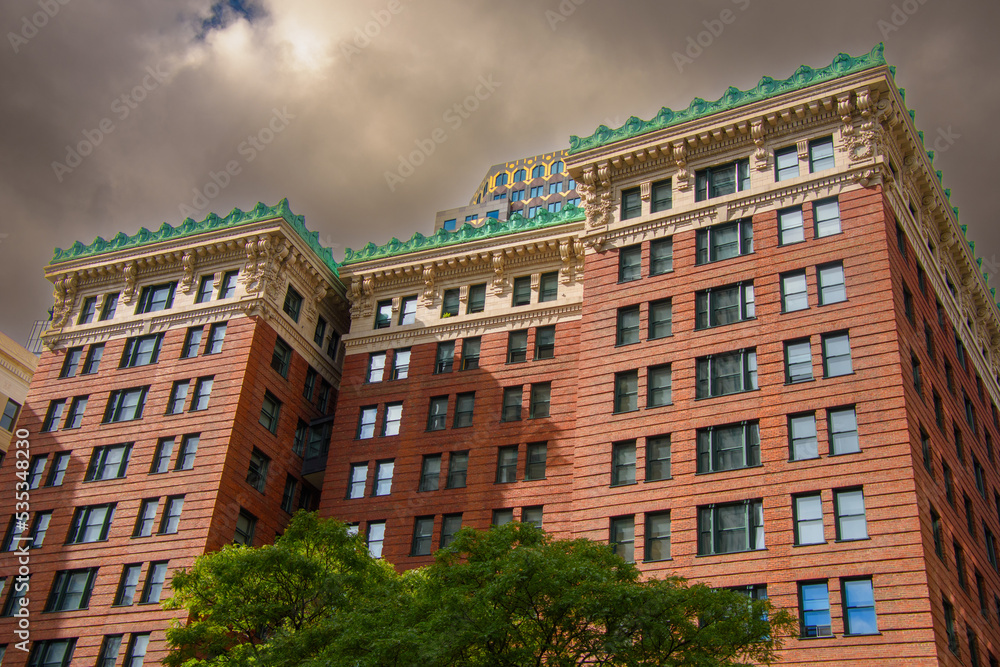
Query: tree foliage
x=508, y=597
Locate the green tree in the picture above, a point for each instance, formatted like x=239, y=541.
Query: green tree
x=508, y=597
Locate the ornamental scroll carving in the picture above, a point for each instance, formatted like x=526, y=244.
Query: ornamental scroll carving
x=360, y=296
x=595, y=193
x=188, y=265
x=131, y=272
x=64, y=300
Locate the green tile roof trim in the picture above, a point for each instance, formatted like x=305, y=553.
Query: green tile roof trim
x=189, y=227
x=803, y=77
x=466, y=233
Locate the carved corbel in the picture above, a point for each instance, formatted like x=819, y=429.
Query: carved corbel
x=463, y=294
x=566, y=257
x=188, y=264
x=645, y=191
x=64, y=300
x=131, y=272
x=498, y=271
x=428, y=275
x=679, y=153
x=760, y=155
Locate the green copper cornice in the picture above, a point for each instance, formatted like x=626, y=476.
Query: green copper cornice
x=466, y=233
x=189, y=227
x=803, y=77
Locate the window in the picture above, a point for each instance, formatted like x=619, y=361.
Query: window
x=949, y=487
x=192, y=340
x=108, y=462
x=991, y=547
x=730, y=528
x=423, y=528
x=374, y=536
x=407, y=312
x=358, y=477
x=722, y=180
x=52, y=653
x=464, y=405
x=470, y=353
x=802, y=434
x=808, y=519
x=970, y=411
x=401, y=364
x=984, y=607
x=929, y=341
x=320, y=332
x=628, y=325
x=937, y=533
x=830, y=282
x=76, y=409
x=458, y=468
x=814, y=610
x=430, y=473
x=623, y=463
x=450, y=524
x=970, y=636
x=538, y=171
x=437, y=415
x=658, y=386
x=58, y=471
x=449, y=302
x=908, y=305
x=820, y=154
x=925, y=449
x=980, y=475
x=40, y=526
x=178, y=395
x=657, y=458
x=293, y=303
x=185, y=457
x=512, y=397
x=545, y=342
x=517, y=346
x=849, y=505
x=627, y=391
x=216, y=335
x=87, y=310
x=281, y=358
x=501, y=179
x=376, y=367
x=532, y=515
x=270, y=412
x=960, y=564
x=836, y=355
x=90, y=524
x=728, y=447
x=204, y=289
x=938, y=411
x=109, y=306
x=246, y=524
x=622, y=537
x=155, y=577
x=541, y=397
x=136, y=652
x=228, y=288
x=631, y=204
x=93, y=362
x=533, y=210
x=110, y=648
x=257, y=471
x=202, y=392
x=657, y=536
x=393, y=418
x=536, y=191
x=970, y=518
x=383, y=477
x=949, y=624
x=660, y=318
x=383, y=314
x=535, y=467
x=661, y=196
x=36, y=469
x=786, y=163
x=71, y=363
x=548, y=289
x=522, y=291
x=630, y=263
x=507, y=464
x=445, y=357
x=155, y=298
x=519, y=175
x=310, y=383
x=52, y=415
x=299, y=440
x=517, y=195
x=171, y=515
x=556, y=167
x=794, y=295
x=477, y=299
x=859, y=607
x=917, y=381
x=826, y=217
x=727, y=373
x=15, y=531
x=790, y=226
x=798, y=361
x=843, y=431
x=288, y=494
x=724, y=305
x=125, y=405
x=502, y=517
x=960, y=352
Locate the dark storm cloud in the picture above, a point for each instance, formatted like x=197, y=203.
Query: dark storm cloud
x=201, y=106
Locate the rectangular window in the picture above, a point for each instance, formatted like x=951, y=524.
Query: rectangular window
x=859, y=607
x=464, y=405
x=109, y=306
x=794, y=294
x=843, y=424
x=445, y=358
x=93, y=361
x=146, y=518
x=407, y=312
x=270, y=412
x=980, y=476
x=826, y=217
x=281, y=358
x=53, y=415
x=808, y=510
x=108, y=462
x=960, y=564
x=155, y=298
x=830, y=283
x=836, y=355
x=517, y=346
x=724, y=305
x=246, y=525
x=257, y=470
x=908, y=305
x=732, y=239
x=925, y=449
x=430, y=473
x=204, y=289
x=660, y=319
x=58, y=471
x=661, y=256
x=631, y=204
x=71, y=590
x=309, y=386
x=627, y=391
x=293, y=303
x=288, y=494
x=125, y=405
x=791, y=228
x=723, y=179
x=506, y=464
x=87, y=310
x=383, y=477
x=202, y=392
x=658, y=386
x=216, y=336
x=548, y=287
x=798, y=361
x=929, y=341
x=657, y=458
x=437, y=415
x=423, y=529
x=450, y=524
x=661, y=196
x=110, y=648
x=949, y=624
x=730, y=528
x=522, y=291
x=628, y=325
x=728, y=373
x=393, y=418
x=512, y=397
x=545, y=342
x=178, y=397
x=622, y=537
x=319, y=333
x=623, y=463
x=192, y=341
x=470, y=353
x=802, y=436
x=786, y=163
x=71, y=363
x=449, y=302
x=153, y=588
x=383, y=314
x=477, y=299
x=532, y=515
x=991, y=547
x=141, y=351
x=630, y=263
x=40, y=527
x=91, y=523
x=728, y=447
x=356, y=485
x=458, y=469
x=171, y=515
x=849, y=505
x=657, y=536
x=36, y=470
x=814, y=610
x=189, y=448
x=401, y=364
x=820, y=154
x=376, y=367
x=374, y=537
x=535, y=466
x=918, y=384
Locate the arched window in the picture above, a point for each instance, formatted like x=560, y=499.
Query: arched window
x=538, y=171
x=500, y=180
x=520, y=175
x=557, y=167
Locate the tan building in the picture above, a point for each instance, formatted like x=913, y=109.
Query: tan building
x=17, y=365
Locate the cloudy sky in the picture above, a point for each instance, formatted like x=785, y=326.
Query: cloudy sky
x=315, y=100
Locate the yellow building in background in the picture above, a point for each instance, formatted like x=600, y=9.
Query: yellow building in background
x=17, y=366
